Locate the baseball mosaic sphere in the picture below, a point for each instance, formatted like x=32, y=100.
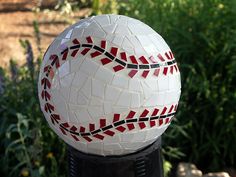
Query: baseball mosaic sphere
x=109, y=85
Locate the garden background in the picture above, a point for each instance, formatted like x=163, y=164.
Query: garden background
x=201, y=34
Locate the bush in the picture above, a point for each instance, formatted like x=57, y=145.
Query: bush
x=202, y=35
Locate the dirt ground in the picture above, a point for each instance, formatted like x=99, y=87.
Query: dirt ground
x=19, y=25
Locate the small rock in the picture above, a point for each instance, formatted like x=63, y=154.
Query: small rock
x=188, y=170
x=218, y=174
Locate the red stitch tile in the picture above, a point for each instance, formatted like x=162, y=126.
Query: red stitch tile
x=75, y=137
x=167, y=120
x=55, y=118
x=171, y=108
x=176, y=67
x=163, y=110
x=82, y=129
x=102, y=123
x=123, y=56
x=160, y=122
x=64, y=56
x=48, y=107
x=165, y=70
x=75, y=41
x=74, y=52
x=95, y=54
x=98, y=136
x=89, y=39
x=167, y=56
x=91, y=127
x=145, y=73
x=152, y=59
x=63, y=131
x=105, y=61
x=46, y=83
x=118, y=68
x=73, y=128
x=144, y=113
x=87, y=138
x=133, y=59
x=45, y=95
x=132, y=73
x=143, y=60
x=130, y=115
x=171, y=69
x=142, y=125
x=130, y=126
x=160, y=57
x=120, y=128
x=152, y=123
x=85, y=51
x=171, y=55
x=116, y=117
x=114, y=51
x=46, y=68
x=66, y=125
x=155, y=112
x=156, y=72
x=103, y=44
x=176, y=106
x=51, y=73
x=55, y=60
x=109, y=132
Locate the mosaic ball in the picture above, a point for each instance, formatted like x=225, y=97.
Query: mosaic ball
x=109, y=85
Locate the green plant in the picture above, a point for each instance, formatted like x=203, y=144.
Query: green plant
x=202, y=35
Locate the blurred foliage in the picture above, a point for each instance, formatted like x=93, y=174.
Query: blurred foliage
x=202, y=35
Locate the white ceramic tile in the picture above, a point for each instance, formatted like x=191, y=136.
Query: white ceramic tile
x=96, y=102
x=174, y=82
x=68, y=35
x=81, y=99
x=118, y=39
x=104, y=74
x=172, y=96
x=73, y=95
x=103, y=20
x=124, y=99
x=131, y=146
x=96, y=147
x=55, y=82
x=119, y=109
x=153, y=132
x=76, y=63
x=89, y=67
x=155, y=99
x=60, y=105
x=99, y=32
x=65, y=92
x=152, y=84
x=82, y=146
x=113, y=146
x=113, y=18
x=135, y=100
x=120, y=81
x=95, y=111
x=66, y=81
x=64, y=41
x=127, y=137
x=127, y=44
x=122, y=30
x=64, y=69
x=107, y=106
x=139, y=137
x=146, y=90
x=79, y=79
x=98, y=88
x=122, y=20
x=87, y=88
x=79, y=32
x=112, y=93
x=82, y=115
x=109, y=29
x=163, y=83
x=135, y=85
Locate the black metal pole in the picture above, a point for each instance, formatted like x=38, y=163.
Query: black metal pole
x=144, y=163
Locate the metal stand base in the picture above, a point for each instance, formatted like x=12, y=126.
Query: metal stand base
x=145, y=163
